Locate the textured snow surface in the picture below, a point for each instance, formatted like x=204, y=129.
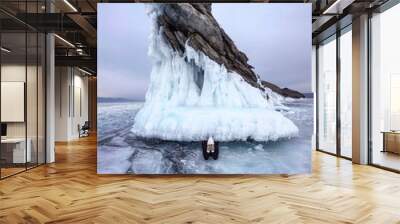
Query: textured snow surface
x=191, y=98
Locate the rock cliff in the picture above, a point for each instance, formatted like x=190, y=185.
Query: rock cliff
x=285, y=92
x=194, y=24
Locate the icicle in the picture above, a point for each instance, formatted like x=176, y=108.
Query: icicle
x=191, y=97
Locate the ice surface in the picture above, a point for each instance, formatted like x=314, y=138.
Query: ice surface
x=191, y=98
x=120, y=151
x=109, y=114
x=114, y=160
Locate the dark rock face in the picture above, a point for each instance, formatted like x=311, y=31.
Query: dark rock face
x=194, y=23
x=285, y=92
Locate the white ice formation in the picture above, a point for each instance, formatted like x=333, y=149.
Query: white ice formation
x=191, y=98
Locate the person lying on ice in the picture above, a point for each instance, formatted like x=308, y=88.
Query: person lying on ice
x=210, y=148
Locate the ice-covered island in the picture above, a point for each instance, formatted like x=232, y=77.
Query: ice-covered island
x=201, y=85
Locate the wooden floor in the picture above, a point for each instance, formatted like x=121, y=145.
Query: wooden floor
x=70, y=191
x=5, y=172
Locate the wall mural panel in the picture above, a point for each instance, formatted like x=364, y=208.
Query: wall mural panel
x=188, y=88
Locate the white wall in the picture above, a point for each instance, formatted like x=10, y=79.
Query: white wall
x=14, y=72
x=80, y=110
x=71, y=102
x=33, y=126
x=62, y=82
x=17, y=73
x=12, y=101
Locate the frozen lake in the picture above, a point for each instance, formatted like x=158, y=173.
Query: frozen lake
x=121, y=152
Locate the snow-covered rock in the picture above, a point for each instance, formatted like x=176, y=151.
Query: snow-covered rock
x=191, y=97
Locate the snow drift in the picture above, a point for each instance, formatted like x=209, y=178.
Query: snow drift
x=191, y=97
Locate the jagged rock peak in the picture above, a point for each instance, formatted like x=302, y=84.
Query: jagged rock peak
x=193, y=23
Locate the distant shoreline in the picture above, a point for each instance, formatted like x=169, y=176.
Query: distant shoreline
x=116, y=100
x=308, y=95
x=126, y=100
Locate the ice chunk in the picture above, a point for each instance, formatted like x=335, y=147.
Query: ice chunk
x=191, y=98
x=147, y=162
x=113, y=160
x=259, y=147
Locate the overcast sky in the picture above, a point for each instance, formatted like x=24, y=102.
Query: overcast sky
x=275, y=37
